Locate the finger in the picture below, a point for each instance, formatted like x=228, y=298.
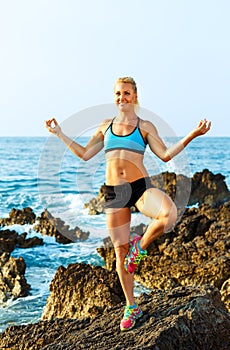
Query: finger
x=48, y=122
x=209, y=125
x=54, y=121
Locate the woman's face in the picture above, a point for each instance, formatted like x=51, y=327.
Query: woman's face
x=124, y=96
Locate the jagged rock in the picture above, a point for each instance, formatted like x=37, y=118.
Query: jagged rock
x=50, y=226
x=195, y=252
x=24, y=242
x=12, y=280
x=20, y=217
x=209, y=189
x=82, y=290
x=186, y=318
x=9, y=239
x=203, y=188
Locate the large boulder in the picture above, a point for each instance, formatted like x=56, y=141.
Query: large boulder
x=182, y=319
x=13, y=283
x=82, y=290
x=209, y=188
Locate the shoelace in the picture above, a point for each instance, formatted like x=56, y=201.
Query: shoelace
x=129, y=312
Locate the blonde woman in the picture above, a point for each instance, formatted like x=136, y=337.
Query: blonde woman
x=124, y=139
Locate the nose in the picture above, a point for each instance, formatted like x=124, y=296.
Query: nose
x=122, y=97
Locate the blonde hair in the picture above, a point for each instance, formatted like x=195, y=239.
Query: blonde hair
x=129, y=80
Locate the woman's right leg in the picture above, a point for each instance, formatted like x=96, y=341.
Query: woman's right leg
x=118, y=222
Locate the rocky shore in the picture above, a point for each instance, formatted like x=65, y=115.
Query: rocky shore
x=187, y=269
x=186, y=318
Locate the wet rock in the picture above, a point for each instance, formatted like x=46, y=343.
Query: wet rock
x=82, y=290
x=24, y=242
x=50, y=226
x=12, y=280
x=20, y=217
x=9, y=239
x=182, y=319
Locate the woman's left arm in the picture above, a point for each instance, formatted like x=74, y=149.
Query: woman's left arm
x=167, y=153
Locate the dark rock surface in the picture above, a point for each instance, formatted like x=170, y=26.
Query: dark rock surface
x=12, y=280
x=196, y=251
x=9, y=239
x=82, y=290
x=20, y=217
x=186, y=318
x=203, y=188
x=208, y=188
x=50, y=226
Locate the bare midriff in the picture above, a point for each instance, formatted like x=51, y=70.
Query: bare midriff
x=124, y=166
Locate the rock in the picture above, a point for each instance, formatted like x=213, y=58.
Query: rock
x=225, y=293
x=24, y=242
x=209, y=189
x=12, y=280
x=49, y=226
x=177, y=187
x=182, y=319
x=203, y=188
x=82, y=290
x=9, y=239
x=20, y=217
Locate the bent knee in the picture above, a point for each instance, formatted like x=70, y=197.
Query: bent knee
x=169, y=217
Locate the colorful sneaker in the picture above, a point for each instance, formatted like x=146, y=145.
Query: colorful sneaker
x=131, y=314
x=134, y=255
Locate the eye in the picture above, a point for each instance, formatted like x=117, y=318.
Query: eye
x=127, y=93
x=118, y=93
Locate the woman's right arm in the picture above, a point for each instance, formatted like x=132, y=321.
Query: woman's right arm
x=94, y=145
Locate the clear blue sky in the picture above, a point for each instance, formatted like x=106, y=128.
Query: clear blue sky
x=61, y=56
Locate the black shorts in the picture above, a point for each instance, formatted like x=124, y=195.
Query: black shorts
x=127, y=194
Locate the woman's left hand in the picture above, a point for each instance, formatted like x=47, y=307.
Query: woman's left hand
x=202, y=128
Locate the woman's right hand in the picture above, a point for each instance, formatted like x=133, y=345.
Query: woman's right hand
x=53, y=126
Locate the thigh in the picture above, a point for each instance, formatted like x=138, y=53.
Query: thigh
x=155, y=203
x=118, y=223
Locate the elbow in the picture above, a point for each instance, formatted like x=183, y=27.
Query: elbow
x=84, y=157
x=166, y=158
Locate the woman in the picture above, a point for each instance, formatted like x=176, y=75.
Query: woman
x=127, y=182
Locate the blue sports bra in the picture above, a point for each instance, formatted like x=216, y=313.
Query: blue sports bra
x=133, y=142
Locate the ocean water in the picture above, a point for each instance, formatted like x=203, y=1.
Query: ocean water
x=41, y=173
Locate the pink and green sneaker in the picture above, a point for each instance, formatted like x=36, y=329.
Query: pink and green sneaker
x=131, y=314
x=135, y=254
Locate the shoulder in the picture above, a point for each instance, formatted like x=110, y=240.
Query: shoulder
x=103, y=127
x=147, y=127
x=105, y=124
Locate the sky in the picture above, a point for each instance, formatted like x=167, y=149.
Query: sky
x=61, y=57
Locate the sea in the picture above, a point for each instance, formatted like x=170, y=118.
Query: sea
x=41, y=173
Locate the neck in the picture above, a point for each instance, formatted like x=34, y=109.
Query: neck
x=127, y=116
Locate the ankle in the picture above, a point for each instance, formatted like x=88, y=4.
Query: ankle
x=132, y=306
x=140, y=247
